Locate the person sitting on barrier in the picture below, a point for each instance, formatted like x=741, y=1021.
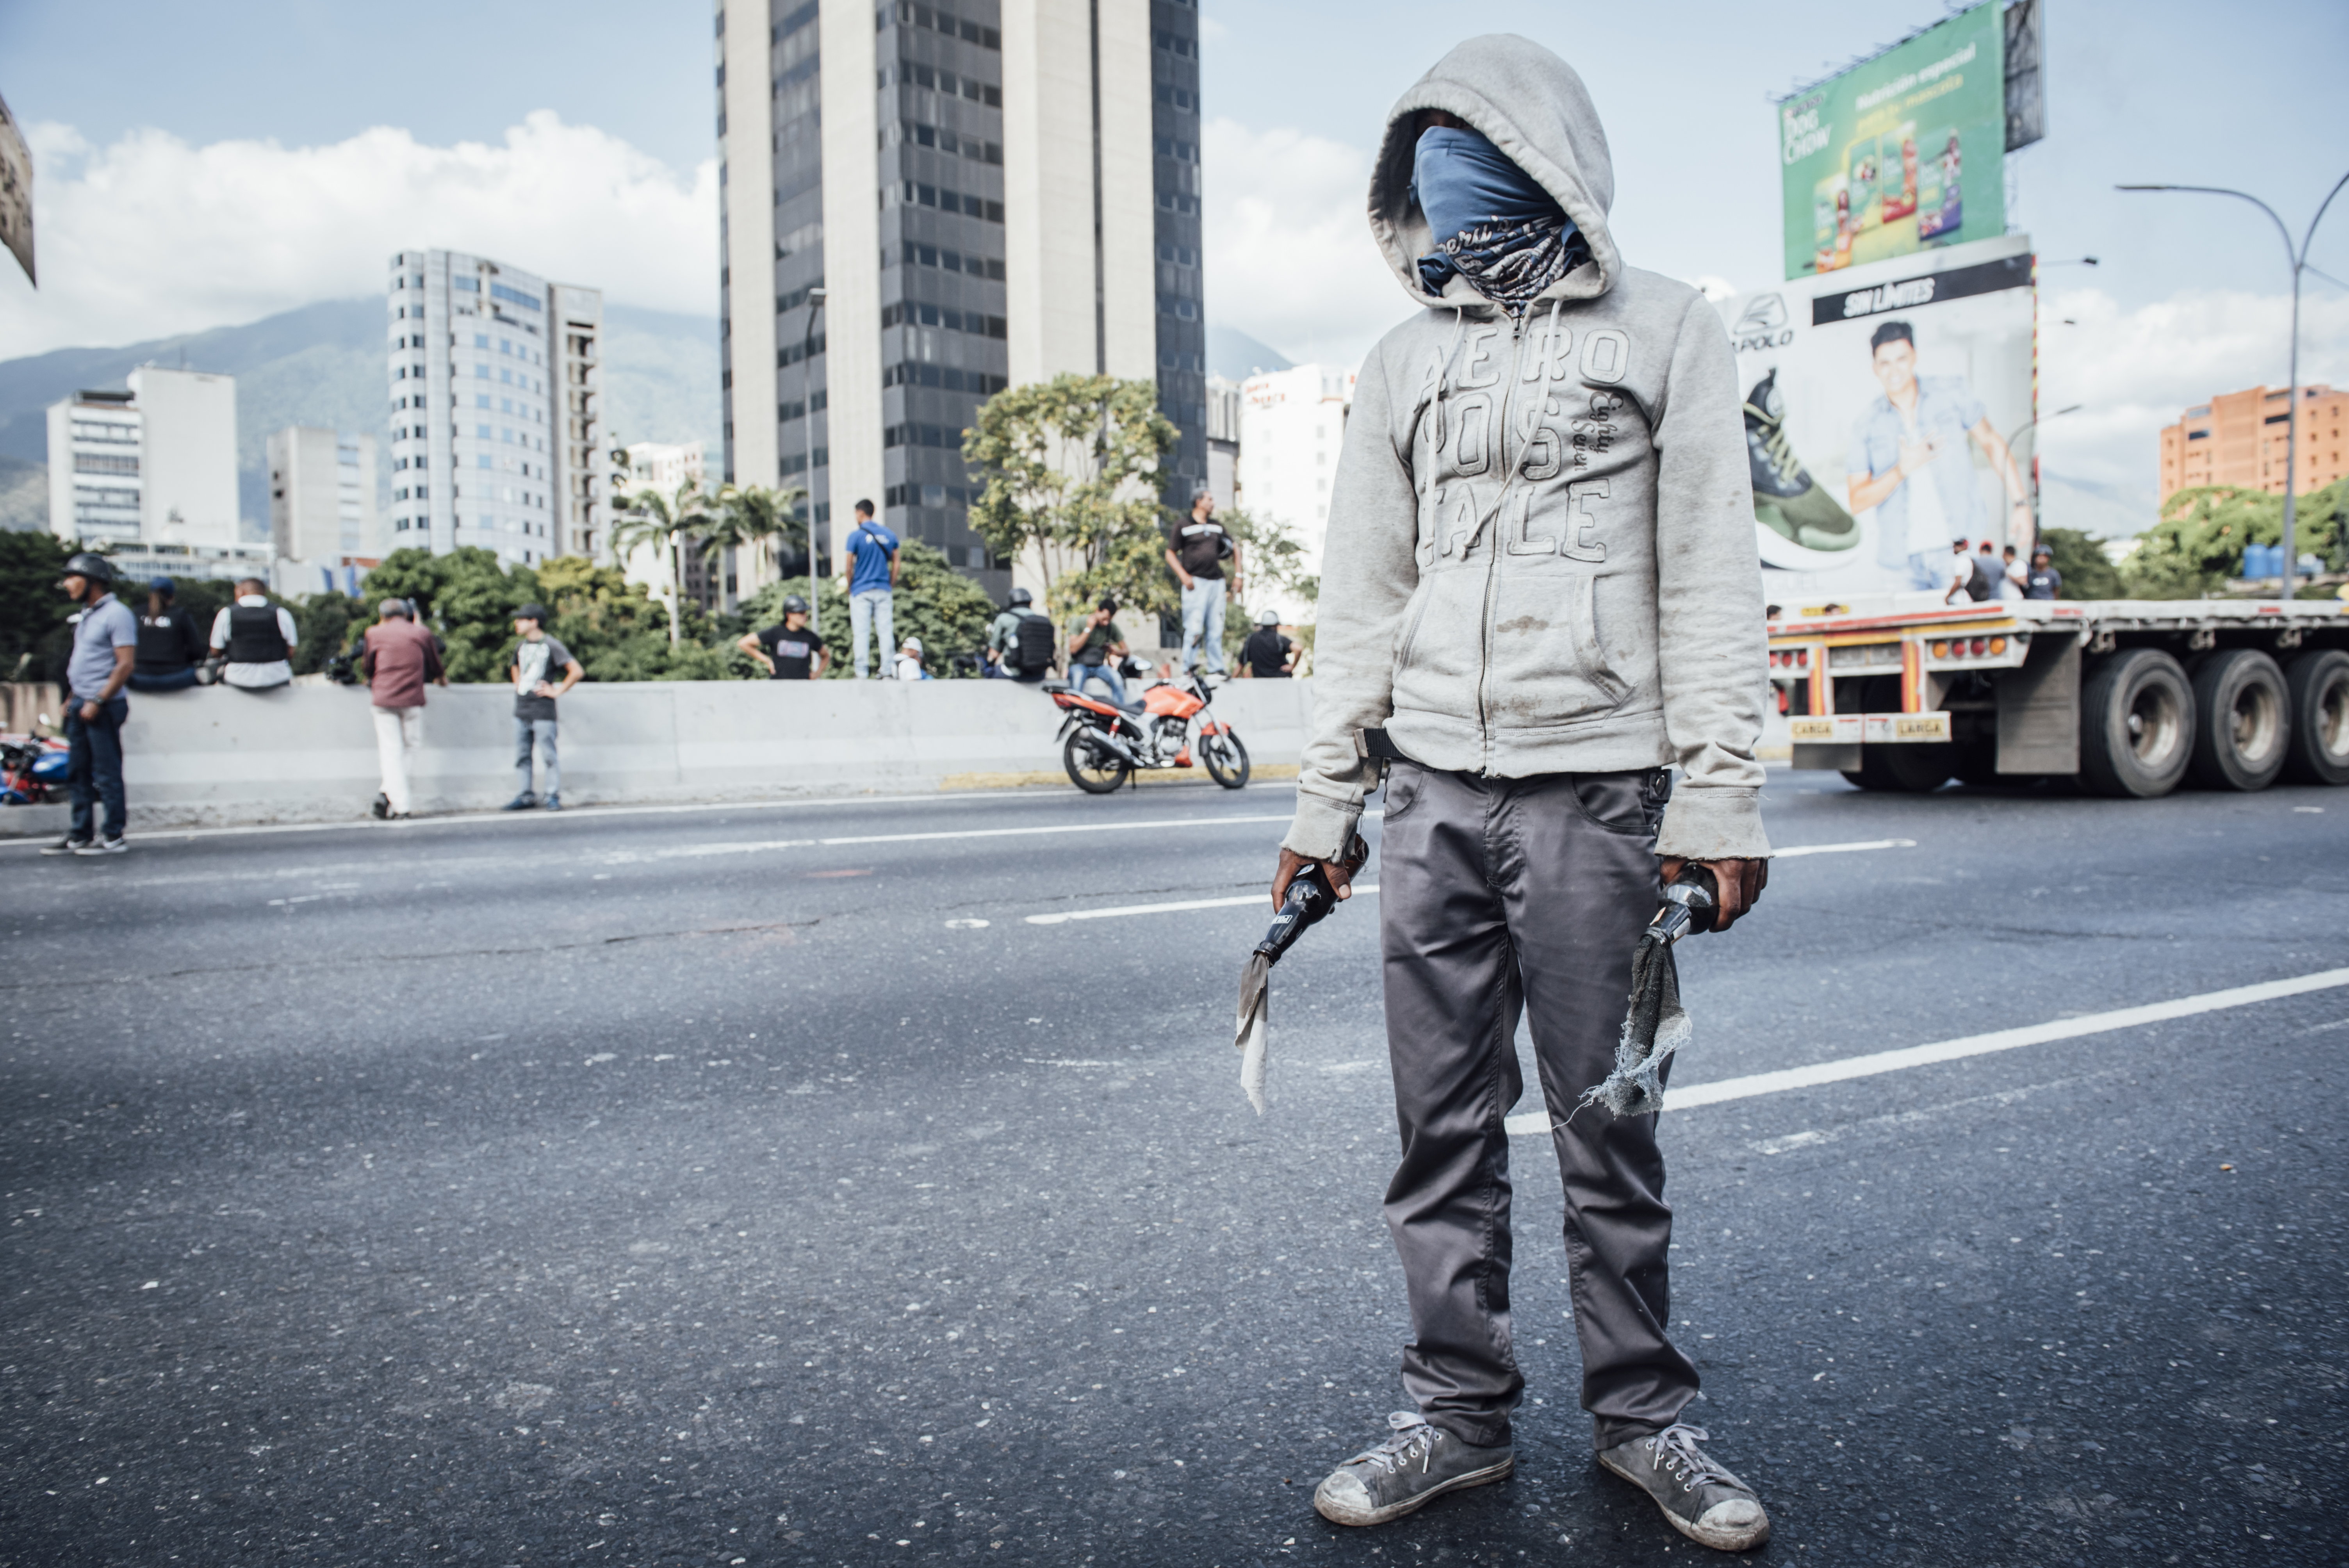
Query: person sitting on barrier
x=1267, y=655
x=1094, y=648
x=1020, y=641
x=909, y=661
x=169, y=646
x=258, y=638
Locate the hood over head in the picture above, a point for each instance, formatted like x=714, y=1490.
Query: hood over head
x=1528, y=103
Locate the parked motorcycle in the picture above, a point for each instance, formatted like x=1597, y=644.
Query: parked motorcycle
x=1103, y=745
x=31, y=769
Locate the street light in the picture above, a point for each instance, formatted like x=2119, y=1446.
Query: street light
x=2024, y=429
x=815, y=297
x=2298, y=257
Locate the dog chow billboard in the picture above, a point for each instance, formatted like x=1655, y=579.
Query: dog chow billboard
x=1902, y=153
x=1880, y=403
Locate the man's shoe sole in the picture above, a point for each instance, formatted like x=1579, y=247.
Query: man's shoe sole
x=1337, y=1514
x=1719, y=1540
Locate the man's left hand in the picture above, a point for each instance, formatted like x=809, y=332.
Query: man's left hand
x=1741, y=883
x=89, y=712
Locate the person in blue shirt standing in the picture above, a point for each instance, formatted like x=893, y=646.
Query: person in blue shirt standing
x=104, y=647
x=872, y=583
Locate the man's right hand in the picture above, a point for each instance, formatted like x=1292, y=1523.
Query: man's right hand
x=1340, y=875
x=1188, y=581
x=89, y=713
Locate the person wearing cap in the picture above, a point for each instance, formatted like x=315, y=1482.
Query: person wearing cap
x=1020, y=641
x=1267, y=655
x=2042, y=581
x=537, y=657
x=791, y=652
x=105, y=648
x=169, y=646
x=909, y=661
x=399, y=657
x=1094, y=649
x=258, y=638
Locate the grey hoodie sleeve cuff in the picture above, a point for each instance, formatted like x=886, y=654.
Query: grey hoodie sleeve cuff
x=1322, y=829
x=1702, y=824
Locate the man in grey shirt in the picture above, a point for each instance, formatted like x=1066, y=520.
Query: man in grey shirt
x=106, y=645
x=1918, y=431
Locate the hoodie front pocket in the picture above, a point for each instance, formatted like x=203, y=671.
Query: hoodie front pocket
x=1440, y=655
x=1549, y=654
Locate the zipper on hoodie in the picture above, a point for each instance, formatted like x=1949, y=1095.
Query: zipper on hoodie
x=1493, y=541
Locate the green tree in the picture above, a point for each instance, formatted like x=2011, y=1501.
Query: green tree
x=34, y=637
x=617, y=633
x=467, y=596
x=1071, y=468
x=2199, y=543
x=665, y=524
x=933, y=601
x=743, y=518
x=2082, y=562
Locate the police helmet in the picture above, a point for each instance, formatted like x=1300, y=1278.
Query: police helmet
x=794, y=606
x=1022, y=598
x=95, y=567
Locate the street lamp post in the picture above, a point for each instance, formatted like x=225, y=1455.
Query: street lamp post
x=2298, y=257
x=2019, y=432
x=807, y=444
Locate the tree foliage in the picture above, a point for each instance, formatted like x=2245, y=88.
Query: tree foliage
x=933, y=601
x=1073, y=468
x=34, y=637
x=666, y=525
x=2199, y=543
x=2087, y=573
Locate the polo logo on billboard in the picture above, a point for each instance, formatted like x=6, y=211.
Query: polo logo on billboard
x=1762, y=325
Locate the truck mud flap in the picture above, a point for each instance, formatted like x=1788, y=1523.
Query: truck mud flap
x=2039, y=710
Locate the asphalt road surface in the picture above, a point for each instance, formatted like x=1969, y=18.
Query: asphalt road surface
x=793, y=1184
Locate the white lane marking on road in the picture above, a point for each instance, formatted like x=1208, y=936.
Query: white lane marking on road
x=1056, y=828
x=1703, y=1094
x=1264, y=899
x=967, y=923
x=1843, y=849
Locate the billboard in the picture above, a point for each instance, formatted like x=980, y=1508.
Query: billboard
x=1903, y=153
x=15, y=192
x=1880, y=405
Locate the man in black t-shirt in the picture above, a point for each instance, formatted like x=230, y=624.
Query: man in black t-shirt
x=791, y=652
x=170, y=645
x=1201, y=547
x=1267, y=655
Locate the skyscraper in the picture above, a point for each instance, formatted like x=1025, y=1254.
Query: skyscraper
x=496, y=409
x=155, y=465
x=989, y=193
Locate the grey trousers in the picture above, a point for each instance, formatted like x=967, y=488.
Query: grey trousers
x=550, y=759
x=1498, y=896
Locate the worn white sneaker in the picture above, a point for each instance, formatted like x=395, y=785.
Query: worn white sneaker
x=1702, y=1500
x=101, y=847
x=1412, y=1469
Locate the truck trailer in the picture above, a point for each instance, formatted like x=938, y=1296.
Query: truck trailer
x=2129, y=698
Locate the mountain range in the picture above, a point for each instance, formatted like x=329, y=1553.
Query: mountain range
x=324, y=365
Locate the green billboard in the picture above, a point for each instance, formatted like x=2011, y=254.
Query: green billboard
x=1903, y=153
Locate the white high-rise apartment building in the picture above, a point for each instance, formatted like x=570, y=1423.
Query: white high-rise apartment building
x=496, y=409
x=663, y=466
x=322, y=489
x=152, y=466
x=1292, y=423
x=1026, y=173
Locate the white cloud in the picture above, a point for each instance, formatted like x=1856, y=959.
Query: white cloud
x=1290, y=257
x=2135, y=371
x=150, y=236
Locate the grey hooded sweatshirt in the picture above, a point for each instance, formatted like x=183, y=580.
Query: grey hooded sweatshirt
x=1540, y=556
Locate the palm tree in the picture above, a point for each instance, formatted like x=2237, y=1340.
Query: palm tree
x=748, y=516
x=664, y=523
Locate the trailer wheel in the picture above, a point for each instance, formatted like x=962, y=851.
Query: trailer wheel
x=2242, y=720
x=2316, y=684
x=1915, y=769
x=2136, y=729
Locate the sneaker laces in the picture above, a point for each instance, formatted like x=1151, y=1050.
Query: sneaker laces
x=1414, y=1439
x=1777, y=449
x=1677, y=1454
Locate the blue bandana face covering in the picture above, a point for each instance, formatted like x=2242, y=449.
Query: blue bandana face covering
x=1493, y=223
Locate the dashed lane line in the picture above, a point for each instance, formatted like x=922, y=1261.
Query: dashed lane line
x=1693, y=1096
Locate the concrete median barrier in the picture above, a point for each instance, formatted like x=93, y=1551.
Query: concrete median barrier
x=218, y=757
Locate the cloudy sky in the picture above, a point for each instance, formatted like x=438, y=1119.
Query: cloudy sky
x=215, y=164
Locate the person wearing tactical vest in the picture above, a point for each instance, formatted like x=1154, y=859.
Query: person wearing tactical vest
x=170, y=648
x=258, y=638
x=1020, y=641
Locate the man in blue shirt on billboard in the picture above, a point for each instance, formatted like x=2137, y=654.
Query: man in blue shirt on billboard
x=1909, y=461
x=872, y=583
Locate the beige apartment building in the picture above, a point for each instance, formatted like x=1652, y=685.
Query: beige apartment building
x=2238, y=438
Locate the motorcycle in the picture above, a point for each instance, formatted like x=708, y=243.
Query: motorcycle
x=33, y=768
x=1102, y=745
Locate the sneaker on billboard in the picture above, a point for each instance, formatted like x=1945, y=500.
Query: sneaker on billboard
x=1786, y=499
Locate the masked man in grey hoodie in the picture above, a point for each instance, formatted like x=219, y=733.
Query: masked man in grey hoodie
x=1539, y=589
